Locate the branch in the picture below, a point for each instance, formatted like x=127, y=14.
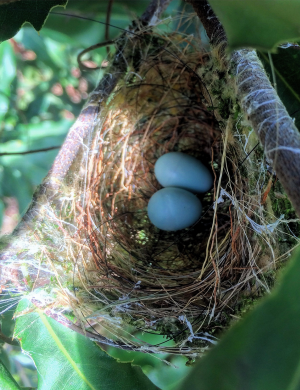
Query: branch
x=262, y=106
x=269, y=118
x=153, y=11
x=108, y=14
x=213, y=27
x=8, y=340
x=29, y=151
x=83, y=126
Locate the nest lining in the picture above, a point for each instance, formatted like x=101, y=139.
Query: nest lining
x=111, y=267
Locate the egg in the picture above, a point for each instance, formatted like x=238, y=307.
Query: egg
x=174, y=209
x=181, y=170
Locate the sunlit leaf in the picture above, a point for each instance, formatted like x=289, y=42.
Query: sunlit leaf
x=258, y=23
x=8, y=72
x=165, y=376
x=69, y=361
x=262, y=351
x=7, y=382
x=14, y=14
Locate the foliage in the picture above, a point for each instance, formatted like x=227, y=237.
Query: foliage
x=15, y=13
x=259, y=24
x=165, y=371
x=75, y=361
x=260, y=352
x=7, y=382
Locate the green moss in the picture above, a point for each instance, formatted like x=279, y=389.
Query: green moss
x=282, y=206
x=246, y=304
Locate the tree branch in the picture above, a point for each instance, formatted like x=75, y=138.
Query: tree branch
x=213, y=27
x=83, y=126
x=8, y=340
x=269, y=118
x=262, y=106
x=153, y=11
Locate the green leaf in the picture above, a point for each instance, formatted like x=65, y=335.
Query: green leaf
x=260, y=24
x=8, y=72
x=262, y=351
x=7, y=382
x=13, y=15
x=69, y=361
x=287, y=73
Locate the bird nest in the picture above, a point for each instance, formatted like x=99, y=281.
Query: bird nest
x=115, y=272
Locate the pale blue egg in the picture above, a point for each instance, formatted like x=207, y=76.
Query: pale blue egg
x=181, y=170
x=174, y=209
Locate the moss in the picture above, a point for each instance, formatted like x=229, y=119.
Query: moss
x=282, y=206
x=246, y=304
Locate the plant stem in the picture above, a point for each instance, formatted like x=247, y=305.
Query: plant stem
x=9, y=340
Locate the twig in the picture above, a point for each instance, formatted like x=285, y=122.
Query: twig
x=213, y=27
x=29, y=151
x=108, y=13
x=8, y=340
x=153, y=11
x=93, y=47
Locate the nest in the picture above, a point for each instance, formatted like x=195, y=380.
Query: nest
x=116, y=273
x=150, y=274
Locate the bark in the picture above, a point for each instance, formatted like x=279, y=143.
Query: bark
x=153, y=11
x=213, y=27
x=261, y=104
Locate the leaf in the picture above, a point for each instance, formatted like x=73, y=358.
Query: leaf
x=8, y=304
x=7, y=1
x=7, y=382
x=262, y=351
x=260, y=24
x=8, y=72
x=21, y=174
x=15, y=13
x=69, y=361
x=287, y=73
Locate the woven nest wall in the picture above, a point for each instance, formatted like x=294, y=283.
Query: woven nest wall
x=114, y=271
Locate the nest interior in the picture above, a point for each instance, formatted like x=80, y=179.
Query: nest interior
x=154, y=273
